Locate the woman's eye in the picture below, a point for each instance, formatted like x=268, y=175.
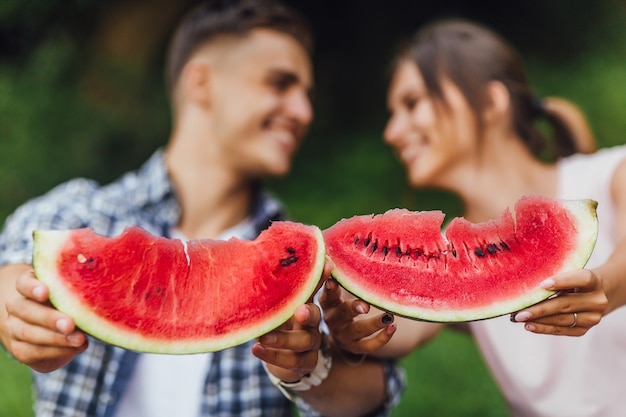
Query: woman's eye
x=410, y=102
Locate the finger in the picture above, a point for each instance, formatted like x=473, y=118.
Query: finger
x=328, y=269
x=560, y=320
x=331, y=296
x=554, y=330
x=41, y=315
x=360, y=329
x=293, y=365
x=323, y=278
x=583, y=319
x=30, y=287
x=334, y=295
x=45, y=358
x=308, y=315
x=294, y=340
x=582, y=280
x=372, y=344
x=566, y=303
x=345, y=312
x=20, y=331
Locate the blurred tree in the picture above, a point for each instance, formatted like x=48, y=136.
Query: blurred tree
x=80, y=87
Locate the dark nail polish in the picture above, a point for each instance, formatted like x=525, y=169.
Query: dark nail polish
x=387, y=319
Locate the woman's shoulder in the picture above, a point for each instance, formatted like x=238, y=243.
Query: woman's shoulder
x=605, y=159
x=589, y=175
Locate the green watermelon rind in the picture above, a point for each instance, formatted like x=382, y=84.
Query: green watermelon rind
x=585, y=219
x=47, y=247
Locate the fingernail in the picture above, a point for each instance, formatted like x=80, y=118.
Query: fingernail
x=268, y=339
x=63, y=325
x=259, y=349
x=360, y=309
x=75, y=339
x=327, y=284
x=522, y=316
x=391, y=329
x=38, y=292
x=387, y=319
x=530, y=327
x=547, y=284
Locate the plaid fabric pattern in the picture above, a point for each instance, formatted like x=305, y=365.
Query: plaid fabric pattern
x=91, y=385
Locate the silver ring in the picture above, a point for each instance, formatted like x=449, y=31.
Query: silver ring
x=575, y=320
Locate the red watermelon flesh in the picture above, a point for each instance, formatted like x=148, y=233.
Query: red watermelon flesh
x=401, y=262
x=159, y=295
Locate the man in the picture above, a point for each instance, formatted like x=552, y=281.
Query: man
x=239, y=78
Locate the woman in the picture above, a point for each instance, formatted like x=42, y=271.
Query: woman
x=462, y=120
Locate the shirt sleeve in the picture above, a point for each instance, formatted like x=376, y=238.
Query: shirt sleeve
x=64, y=207
x=395, y=380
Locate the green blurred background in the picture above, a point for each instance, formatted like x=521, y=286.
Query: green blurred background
x=81, y=94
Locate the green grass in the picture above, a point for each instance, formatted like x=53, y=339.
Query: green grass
x=447, y=377
x=15, y=388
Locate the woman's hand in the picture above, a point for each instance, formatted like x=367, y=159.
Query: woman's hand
x=353, y=325
x=579, y=305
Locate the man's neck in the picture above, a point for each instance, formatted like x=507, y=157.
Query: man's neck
x=212, y=198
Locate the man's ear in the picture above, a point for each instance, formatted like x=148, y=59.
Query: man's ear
x=195, y=81
x=498, y=102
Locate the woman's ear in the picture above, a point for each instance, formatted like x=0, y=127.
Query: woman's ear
x=195, y=80
x=498, y=102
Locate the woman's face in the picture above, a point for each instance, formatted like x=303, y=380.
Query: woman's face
x=434, y=140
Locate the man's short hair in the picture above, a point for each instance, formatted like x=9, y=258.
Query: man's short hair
x=231, y=17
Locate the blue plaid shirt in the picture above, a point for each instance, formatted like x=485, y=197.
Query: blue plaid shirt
x=92, y=384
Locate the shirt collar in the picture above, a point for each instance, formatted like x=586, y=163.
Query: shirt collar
x=159, y=198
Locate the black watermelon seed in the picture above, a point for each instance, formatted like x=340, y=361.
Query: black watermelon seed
x=398, y=252
x=479, y=252
x=504, y=246
x=291, y=250
x=492, y=249
x=289, y=261
x=356, y=240
x=385, y=250
x=367, y=242
x=374, y=247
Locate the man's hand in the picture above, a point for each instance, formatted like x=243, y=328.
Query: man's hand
x=33, y=331
x=290, y=351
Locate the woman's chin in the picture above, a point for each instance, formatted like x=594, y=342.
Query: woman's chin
x=419, y=180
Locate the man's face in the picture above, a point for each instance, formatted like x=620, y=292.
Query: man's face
x=260, y=103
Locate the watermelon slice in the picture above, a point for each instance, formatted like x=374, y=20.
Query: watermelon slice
x=400, y=262
x=158, y=295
